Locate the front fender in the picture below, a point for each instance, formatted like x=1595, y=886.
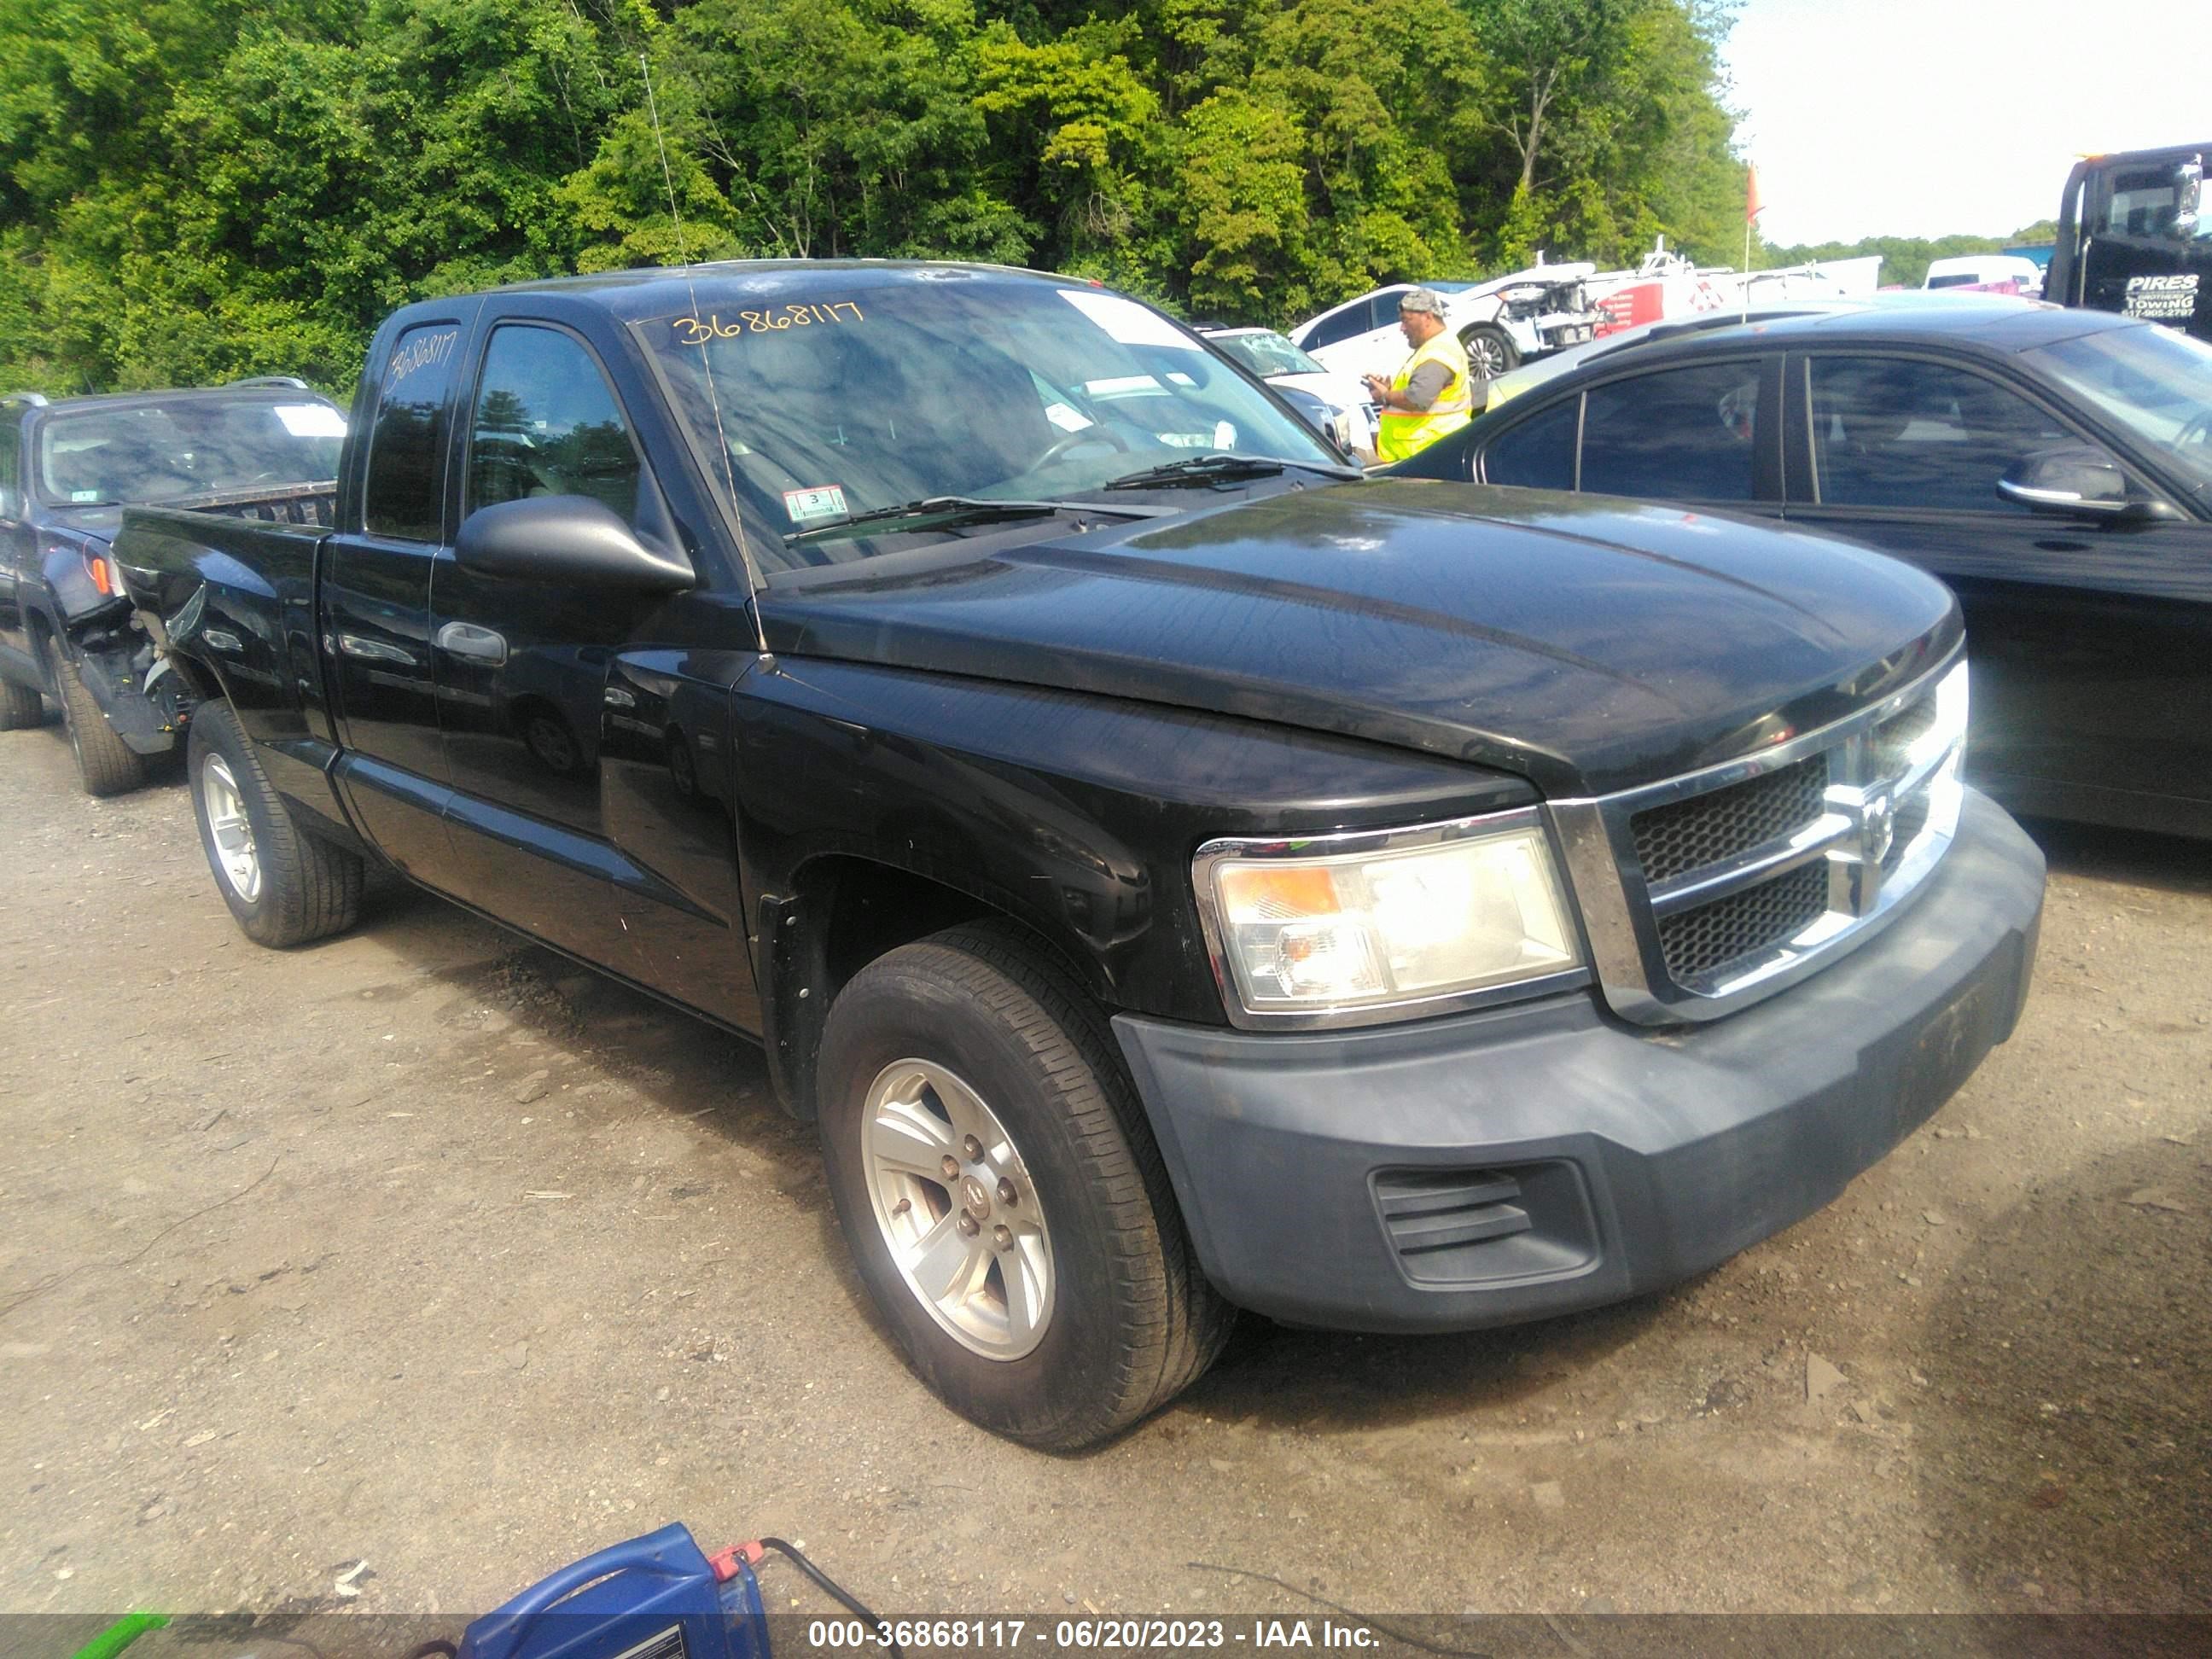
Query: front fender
x=76, y=598
x=1073, y=814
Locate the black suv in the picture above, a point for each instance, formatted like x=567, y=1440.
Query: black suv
x=68, y=467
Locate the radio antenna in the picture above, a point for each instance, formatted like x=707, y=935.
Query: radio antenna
x=754, y=580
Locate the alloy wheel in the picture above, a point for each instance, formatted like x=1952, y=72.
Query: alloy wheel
x=236, y=855
x=957, y=1209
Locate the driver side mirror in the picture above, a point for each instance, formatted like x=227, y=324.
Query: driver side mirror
x=2188, y=191
x=574, y=539
x=2077, y=481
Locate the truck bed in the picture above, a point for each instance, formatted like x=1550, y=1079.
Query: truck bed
x=312, y=503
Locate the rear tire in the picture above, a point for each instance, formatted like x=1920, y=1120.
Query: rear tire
x=973, y=1032
x=105, y=763
x=20, y=706
x=1490, y=351
x=284, y=886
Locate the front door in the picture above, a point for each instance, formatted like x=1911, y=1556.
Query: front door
x=2088, y=642
x=522, y=666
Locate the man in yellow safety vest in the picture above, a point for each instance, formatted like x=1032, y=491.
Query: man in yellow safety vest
x=1433, y=394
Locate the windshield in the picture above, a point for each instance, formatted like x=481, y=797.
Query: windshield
x=2154, y=381
x=148, y=454
x=833, y=398
x=1267, y=354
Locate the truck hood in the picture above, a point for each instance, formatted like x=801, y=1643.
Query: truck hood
x=1585, y=643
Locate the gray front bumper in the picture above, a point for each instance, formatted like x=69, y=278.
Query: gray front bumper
x=1522, y=1162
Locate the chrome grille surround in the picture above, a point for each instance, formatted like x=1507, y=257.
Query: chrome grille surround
x=1876, y=828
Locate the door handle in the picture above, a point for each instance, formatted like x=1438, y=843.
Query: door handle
x=463, y=638
x=353, y=645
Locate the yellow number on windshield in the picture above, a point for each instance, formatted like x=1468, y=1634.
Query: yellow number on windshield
x=697, y=331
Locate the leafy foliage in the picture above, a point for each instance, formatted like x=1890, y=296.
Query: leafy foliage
x=1905, y=259
x=194, y=190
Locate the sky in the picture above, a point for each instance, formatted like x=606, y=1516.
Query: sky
x=1878, y=117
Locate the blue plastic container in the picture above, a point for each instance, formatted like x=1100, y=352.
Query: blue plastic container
x=654, y=1597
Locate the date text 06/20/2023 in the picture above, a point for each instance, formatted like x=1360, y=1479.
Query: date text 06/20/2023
x=831, y=1635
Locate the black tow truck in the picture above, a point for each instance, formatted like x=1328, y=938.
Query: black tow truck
x=2133, y=238
x=1178, y=874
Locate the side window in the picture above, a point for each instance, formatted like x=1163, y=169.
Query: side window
x=1346, y=323
x=1537, y=454
x=404, y=496
x=1681, y=432
x=11, y=493
x=1893, y=432
x=546, y=424
x=2144, y=202
x=1382, y=309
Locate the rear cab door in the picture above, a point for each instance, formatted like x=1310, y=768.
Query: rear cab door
x=395, y=503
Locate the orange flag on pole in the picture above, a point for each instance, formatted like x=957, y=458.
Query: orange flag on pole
x=1751, y=204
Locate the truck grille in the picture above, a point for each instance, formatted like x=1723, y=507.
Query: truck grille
x=1707, y=891
x=1711, y=828
x=1696, y=942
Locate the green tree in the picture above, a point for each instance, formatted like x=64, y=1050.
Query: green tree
x=195, y=189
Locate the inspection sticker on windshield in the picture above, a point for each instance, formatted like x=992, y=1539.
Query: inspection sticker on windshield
x=823, y=501
x=311, y=420
x=1128, y=321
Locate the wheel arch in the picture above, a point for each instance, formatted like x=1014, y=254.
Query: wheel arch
x=841, y=912
x=39, y=626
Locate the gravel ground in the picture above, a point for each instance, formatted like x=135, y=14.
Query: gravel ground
x=424, y=1249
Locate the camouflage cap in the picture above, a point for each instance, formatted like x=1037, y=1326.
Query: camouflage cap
x=1425, y=301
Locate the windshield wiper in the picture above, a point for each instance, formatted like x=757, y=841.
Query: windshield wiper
x=1218, y=469
x=946, y=511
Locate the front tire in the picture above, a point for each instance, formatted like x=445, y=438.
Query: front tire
x=106, y=765
x=1490, y=351
x=285, y=887
x=20, y=706
x=1003, y=1196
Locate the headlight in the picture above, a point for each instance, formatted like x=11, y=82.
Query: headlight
x=1348, y=930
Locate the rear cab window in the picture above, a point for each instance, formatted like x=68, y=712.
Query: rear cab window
x=404, y=492
x=11, y=497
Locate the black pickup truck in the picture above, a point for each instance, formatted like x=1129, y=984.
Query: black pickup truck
x=1178, y=874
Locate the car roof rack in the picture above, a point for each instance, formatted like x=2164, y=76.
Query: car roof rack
x=274, y=380
x=36, y=399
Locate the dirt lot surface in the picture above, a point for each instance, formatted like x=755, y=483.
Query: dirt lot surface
x=425, y=1248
